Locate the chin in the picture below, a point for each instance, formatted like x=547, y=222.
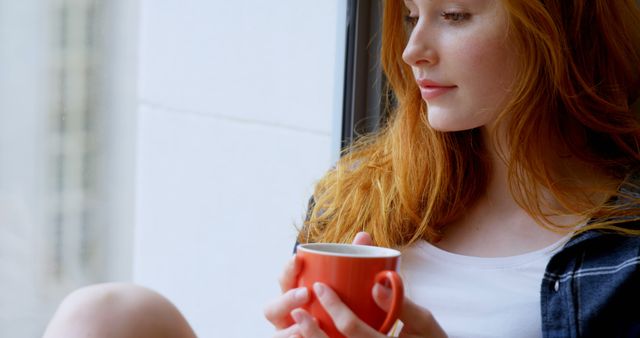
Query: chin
x=449, y=120
x=451, y=126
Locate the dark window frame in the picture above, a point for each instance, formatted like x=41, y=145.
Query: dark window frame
x=364, y=106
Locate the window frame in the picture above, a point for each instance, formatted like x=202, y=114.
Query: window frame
x=365, y=88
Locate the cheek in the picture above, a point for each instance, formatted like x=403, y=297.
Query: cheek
x=489, y=69
x=488, y=56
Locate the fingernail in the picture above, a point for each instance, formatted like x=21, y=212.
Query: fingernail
x=359, y=235
x=319, y=289
x=301, y=294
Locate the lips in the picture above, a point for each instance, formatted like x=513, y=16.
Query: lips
x=432, y=89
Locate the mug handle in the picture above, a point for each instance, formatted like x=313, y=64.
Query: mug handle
x=397, y=296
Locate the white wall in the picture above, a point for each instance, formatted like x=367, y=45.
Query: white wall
x=237, y=106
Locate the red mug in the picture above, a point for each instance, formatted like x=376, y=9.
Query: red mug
x=351, y=271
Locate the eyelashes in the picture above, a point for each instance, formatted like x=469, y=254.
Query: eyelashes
x=410, y=21
x=450, y=17
x=455, y=16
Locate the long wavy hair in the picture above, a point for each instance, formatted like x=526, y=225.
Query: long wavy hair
x=578, y=75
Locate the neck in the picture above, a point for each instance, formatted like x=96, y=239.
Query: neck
x=495, y=224
x=498, y=192
x=567, y=169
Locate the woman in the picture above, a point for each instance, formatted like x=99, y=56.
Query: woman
x=505, y=175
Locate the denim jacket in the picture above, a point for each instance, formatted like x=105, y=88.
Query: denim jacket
x=591, y=288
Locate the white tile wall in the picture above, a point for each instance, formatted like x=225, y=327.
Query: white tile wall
x=235, y=126
x=270, y=61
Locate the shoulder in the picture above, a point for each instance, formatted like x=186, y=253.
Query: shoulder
x=592, y=284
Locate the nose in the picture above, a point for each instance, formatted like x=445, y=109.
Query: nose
x=420, y=48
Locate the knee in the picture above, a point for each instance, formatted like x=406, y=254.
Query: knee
x=112, y=301
x=117, y=310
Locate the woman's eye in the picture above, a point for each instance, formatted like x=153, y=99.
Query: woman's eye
x=455, y=16
x=411, y=21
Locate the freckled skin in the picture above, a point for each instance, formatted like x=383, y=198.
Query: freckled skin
x=472, y=53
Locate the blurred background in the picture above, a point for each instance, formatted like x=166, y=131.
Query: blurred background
x=173, y=144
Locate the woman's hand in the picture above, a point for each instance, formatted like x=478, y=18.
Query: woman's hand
x=278, y=312
x=292, y=321
x=418, y=322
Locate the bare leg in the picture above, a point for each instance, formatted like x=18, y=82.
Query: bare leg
x=117, y=310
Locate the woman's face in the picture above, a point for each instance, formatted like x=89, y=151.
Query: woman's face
x=461, y=60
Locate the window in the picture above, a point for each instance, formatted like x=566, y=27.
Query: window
x=59, y=121
x=365, y=92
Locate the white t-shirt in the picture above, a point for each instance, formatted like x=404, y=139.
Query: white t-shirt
x=477, y=296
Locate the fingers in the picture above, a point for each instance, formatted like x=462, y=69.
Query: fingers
x=344, y=319
x=291, y=331
x=382, y=296
x=363, y=238
x=419, y=321
x=291, y=270
x=278, y=311
x=307, y=326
